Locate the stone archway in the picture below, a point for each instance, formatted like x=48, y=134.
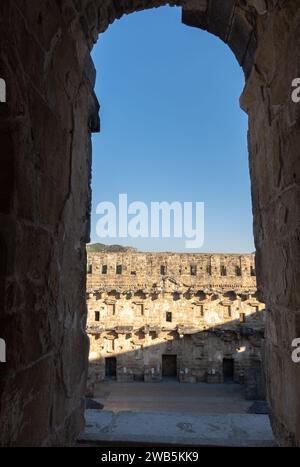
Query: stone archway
x=50, y=112
x=235, y=22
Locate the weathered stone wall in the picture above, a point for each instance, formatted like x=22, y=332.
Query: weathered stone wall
x=44, y=196
x=44, y=220
x=274, y=137
x=215, y=315
x=227, y=271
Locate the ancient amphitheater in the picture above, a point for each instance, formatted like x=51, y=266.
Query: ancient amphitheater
x=194, y=317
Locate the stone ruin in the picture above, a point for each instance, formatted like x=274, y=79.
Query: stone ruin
x=46, y=123
x=195, y=317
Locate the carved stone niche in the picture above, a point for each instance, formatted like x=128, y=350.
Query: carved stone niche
x=250, y=295
x=244, y=296
x=140, y=294
x=114, y=294
x=98, y=295
x=153, y=331
x=154, y=294
x=216, y=296
x=177, y=295
x=202, y=296
x=188, y=295
x=112, y=335
x=140, y=335
x=230, y=295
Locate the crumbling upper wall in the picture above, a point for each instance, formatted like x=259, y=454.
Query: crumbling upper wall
x=143, y=270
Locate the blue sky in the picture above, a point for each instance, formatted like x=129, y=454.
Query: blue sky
x=171, y=127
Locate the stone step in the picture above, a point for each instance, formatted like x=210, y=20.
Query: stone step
x=177, y=429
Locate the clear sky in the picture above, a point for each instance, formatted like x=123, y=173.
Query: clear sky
x=171, y=127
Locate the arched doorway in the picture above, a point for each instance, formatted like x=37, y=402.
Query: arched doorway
x=52, y=111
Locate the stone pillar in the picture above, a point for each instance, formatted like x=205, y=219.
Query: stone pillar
x=274, y=139
x=44, y=220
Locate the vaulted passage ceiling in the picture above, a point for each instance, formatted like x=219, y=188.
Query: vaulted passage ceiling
x=234, y=21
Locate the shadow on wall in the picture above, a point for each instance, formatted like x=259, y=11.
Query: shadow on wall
x=3, y=269
x=232, y=351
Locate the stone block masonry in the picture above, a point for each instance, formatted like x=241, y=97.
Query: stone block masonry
x=195, y=317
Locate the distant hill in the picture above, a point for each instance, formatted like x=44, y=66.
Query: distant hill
x=101, y=248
